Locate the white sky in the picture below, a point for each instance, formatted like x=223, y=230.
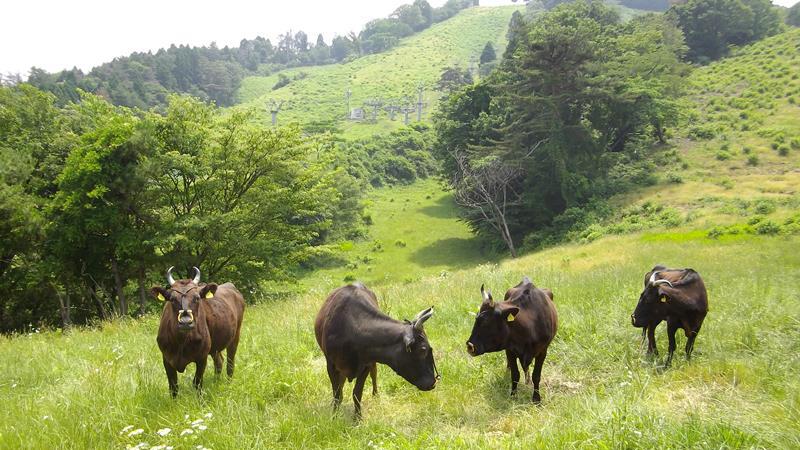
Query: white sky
x=59, y=34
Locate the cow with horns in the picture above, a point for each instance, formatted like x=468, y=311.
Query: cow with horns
x=198, y=319
x=677, y=296
x=523, y=325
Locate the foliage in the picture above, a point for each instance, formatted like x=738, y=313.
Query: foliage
x=97, y=200
x=793, y=15
x=597, y=102
x=711, y=26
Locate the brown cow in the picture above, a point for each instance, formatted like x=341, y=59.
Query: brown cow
x=198, y=320
x=677, y=296
x=354, y=335
x=523, y=325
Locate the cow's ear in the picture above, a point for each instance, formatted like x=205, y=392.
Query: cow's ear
x=159, y=293
x=510, y=314
x=208, y=290
x=408, y=339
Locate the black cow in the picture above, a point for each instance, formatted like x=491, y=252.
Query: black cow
x=523, y=325
x=677, y=296
x=354, y=335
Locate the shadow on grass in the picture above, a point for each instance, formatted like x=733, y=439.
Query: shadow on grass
x=442, y=208
x=455, y=253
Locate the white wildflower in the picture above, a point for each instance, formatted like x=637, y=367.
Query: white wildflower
x=135, y=432
x=125, y=430
x=164, y=431
x=45, y=417
x=158, y=447
x=186, y=417
x=187, y=431
x=197, y=422
x=208, y=415
x=202, y=427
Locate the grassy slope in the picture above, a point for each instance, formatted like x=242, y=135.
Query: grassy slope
x=740, y=391
x=414, y=234
x=389, y=75
x=749, y=102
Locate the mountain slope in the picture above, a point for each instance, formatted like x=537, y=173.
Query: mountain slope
x=391, y=75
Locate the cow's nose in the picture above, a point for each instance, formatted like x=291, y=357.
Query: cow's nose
x=633, y=319
x=470, y=348
x=185, y=316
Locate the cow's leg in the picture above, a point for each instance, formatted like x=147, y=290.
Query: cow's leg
x=358, y=390
x=231, y=354
x=217, y=356
x=172, y=378
x=537, y=375
x=651, y=340
x=672, y=328
x=198, y=373
x=511, y=359
x=373, y=373
x=525, y=361
x=337, y=383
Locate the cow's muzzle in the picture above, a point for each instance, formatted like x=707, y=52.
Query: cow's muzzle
x=185, y=319
x=471, y=349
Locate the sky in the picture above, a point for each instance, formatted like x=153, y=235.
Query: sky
x=56, y=35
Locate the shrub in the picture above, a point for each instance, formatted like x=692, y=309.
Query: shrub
x=674, y=178
x=767, y=227
x=349, y=278
x=723, y=155
x=752, y=160
x=795, y=143
x=783, y=150
x=400, y=243
x=764, y=206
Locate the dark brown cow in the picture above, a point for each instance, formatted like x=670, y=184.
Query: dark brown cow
x=354, y=335
x=198, y=320
x=523, y=325
x=677, y=296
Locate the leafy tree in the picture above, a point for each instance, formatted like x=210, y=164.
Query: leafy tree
x=711, y=26
x=453, y=79
x=488, y=55
x=793, y=15
x=411, y=16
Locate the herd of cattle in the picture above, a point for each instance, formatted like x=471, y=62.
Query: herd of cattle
x=201, y=319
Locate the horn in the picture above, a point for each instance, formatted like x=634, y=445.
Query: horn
x=660, y=282
x=422, y=317
x=170, y=280
x=487, y=296
x=652, y=278
x=196, y=278
x=526, y=280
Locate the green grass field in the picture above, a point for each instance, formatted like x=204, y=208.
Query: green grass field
x=391, y=75
x=415, y=233
x=97, y=388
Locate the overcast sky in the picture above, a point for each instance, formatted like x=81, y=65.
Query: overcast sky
x=59, y=34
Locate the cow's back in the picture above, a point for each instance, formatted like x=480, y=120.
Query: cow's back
x=537, y=320
x=224, y=314
x=339, y=315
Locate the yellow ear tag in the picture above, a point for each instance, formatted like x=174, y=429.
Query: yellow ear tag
x=664, y=299
x=209, y=294
x=160, y=297
x=510, y=318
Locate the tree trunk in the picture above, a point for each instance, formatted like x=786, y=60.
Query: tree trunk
x=142, y=290
x=101, y=309
x=123, y=303
x=63, y=306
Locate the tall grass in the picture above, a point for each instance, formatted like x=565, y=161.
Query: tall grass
x=94, y=388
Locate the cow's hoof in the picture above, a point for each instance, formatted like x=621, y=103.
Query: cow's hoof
x=537, y=399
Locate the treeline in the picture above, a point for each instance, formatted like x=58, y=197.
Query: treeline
x=146, y=79
x=96, y=201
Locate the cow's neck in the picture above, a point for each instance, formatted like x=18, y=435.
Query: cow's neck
x=385, y=338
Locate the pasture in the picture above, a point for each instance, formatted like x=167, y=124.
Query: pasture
x=105, y=387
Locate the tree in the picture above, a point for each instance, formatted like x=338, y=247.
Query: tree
x=425, y=10
x=488, y=55
x=453, y=79
x=793, y=15
x=411, y=16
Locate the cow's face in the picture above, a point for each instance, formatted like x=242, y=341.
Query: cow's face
x=652, y=303
x=416, y=360
x=491, y=329
x=183, y=297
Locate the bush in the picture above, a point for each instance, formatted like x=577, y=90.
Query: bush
x=723, y=155
x=283, y=80
x=349, y=278
x=674, y=178
x=767, y=227
x=400, y=243
x=752, y=160
x=783, y=150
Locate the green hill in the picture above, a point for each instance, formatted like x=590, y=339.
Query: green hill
x=391, y=75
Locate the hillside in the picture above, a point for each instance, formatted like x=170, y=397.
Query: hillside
x=391, y=75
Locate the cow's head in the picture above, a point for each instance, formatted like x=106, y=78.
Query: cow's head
x=491, y=329
x=184, y=297
x=414, y=361
x=652, y=301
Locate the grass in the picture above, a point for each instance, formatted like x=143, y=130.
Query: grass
x=83, y=389
x=391, y=75
x=415, y=233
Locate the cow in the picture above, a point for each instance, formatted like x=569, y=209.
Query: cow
x=677, y=296
x=354, y=335
x=523, y=324
x=198, y=319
